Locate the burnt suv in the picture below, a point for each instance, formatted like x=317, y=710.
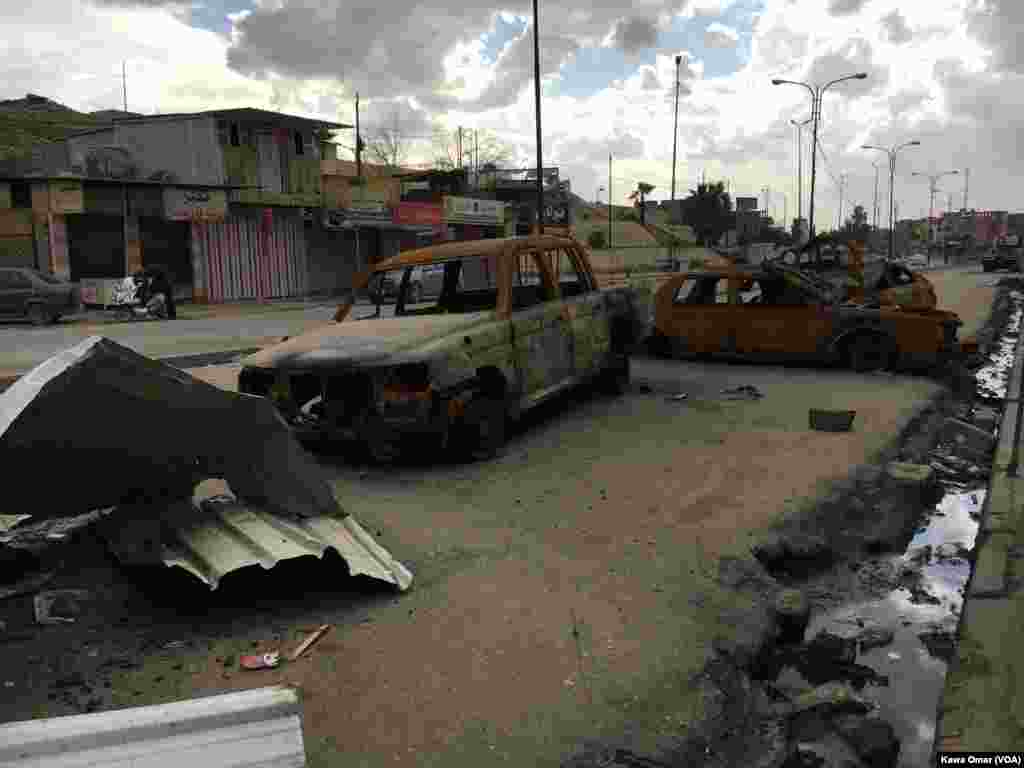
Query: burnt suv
x=38, y=297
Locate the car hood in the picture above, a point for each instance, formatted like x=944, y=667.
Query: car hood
x=362, y=341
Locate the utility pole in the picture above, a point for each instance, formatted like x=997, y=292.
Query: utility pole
x=536, y=100
x=359, y=148
x=124, y=85
x=874, y=206
x=842, y=187
x=967, y=181
x=609, y=200
x=675, y=130
x=800, y=165
x=476, y=157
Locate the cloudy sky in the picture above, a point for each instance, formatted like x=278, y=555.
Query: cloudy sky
x=946, y=72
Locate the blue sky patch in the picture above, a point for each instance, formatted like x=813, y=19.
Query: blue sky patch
x=213, y=14
x=504, y=32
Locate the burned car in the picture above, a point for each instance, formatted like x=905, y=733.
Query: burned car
x=782, y=314
x=514, y=322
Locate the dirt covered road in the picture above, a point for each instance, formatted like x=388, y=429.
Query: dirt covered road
x=565, y=592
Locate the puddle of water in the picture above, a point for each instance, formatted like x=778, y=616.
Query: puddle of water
x=916, y=676
x=992, y=377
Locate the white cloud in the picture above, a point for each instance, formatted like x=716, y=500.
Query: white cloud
x=720, y=36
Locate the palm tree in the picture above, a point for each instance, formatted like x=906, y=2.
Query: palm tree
x=708, y=211
x=642, y=190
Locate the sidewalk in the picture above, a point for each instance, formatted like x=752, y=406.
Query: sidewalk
x=983, y=701
x=190, y=311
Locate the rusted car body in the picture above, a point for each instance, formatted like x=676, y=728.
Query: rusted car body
x=516, y=321
x=781, y=314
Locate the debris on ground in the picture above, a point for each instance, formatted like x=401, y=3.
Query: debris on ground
x=830, y=420
x=308, y=642
x=27, y=585
x=678, y=398
x=742, y=392
x=60, y=606
x=282, y=505
x=260, y=661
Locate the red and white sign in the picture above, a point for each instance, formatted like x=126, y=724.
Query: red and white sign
x=418, y=214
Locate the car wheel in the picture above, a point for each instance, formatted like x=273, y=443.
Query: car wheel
x=868, y=353
x=486, y=423
x=37, y=315
x=614, y=380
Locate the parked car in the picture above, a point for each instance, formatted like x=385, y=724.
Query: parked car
x=1002, y=254
x=514, y=322
x=36, y=296
x=781, y=314
x=917, y=261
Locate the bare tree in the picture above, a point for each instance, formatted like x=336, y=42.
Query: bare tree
x=478, y=147
x=387, y=146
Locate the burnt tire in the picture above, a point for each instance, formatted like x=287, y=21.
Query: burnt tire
x=868, y=353
x=37, y=315
x=614, y=380
x=485, y=428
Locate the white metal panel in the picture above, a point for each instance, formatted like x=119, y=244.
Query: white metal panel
x=245, y=729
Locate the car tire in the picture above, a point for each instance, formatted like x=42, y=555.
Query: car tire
x=614, y=380
x=867, y=352
x=37, y=315
x=486, y=428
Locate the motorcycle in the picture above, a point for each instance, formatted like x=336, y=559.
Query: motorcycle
x=129, y=303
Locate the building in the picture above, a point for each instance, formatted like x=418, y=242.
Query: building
x=517, y=188
x=237, y=189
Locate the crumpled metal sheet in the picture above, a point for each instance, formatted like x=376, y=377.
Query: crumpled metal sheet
x=99, y=425
x=222, y=535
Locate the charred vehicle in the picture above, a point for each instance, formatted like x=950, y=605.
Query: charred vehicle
x=786, y=315
x=514, y=321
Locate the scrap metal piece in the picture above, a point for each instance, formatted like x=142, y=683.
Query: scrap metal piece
x=260, y=727
x=260, y=660
x=222, y=535
x=308, y=642
x=120, y=427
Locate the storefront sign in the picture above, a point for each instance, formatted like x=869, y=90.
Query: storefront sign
x=346, y=218
x=467, y=210
x=418, y=214
x=200, y=205
x=66, y=197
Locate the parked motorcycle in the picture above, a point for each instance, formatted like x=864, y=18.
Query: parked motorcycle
x=130, y=301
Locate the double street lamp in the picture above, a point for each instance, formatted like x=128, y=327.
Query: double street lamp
x=817, y=91
x=933, y=179
x=891, y=152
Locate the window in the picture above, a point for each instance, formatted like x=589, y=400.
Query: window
x=702, y=290
x=466, y=285
x=300, y=144
x=527, y=285
x=685, y=291
x=235, y=141
x=571, y=281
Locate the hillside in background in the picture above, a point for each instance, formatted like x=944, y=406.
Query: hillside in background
x=39, y=120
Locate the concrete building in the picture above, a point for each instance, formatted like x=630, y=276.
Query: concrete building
x=238, y=189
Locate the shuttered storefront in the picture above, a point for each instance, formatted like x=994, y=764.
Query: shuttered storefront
x=245, y=259
x=95, y=246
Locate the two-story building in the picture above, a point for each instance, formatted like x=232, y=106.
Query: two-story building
x=237, y=191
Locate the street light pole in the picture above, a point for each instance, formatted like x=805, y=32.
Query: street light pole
x=891, y=152
x=874, y=205
x=675, y=130
x=817, y=91
x=536, y=97
x=800, y=165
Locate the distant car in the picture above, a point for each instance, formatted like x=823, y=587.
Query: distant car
x=917, y=261
x=36, y=296
x=1002, y=255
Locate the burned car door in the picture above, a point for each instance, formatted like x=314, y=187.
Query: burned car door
x=700, y=316
x=780, y=320
x=586, y=310
x=541, y=332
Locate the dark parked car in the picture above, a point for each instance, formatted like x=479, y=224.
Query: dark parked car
x=35, y=296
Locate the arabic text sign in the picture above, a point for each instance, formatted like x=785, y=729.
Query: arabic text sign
x=418, y=214
x=195, y=204
x=467, y=210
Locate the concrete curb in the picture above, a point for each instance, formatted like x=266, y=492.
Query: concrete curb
x=979, y=703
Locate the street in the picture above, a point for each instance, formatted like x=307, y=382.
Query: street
x=565, y=591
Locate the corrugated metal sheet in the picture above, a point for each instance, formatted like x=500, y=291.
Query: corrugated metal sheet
x=259, y=728
x=224, y=535
x=246, y=261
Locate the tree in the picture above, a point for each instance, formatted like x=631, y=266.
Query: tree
x=387, y=146
x=489, y=151
x=639, y=196
x=856, y=225
x=708, y=211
